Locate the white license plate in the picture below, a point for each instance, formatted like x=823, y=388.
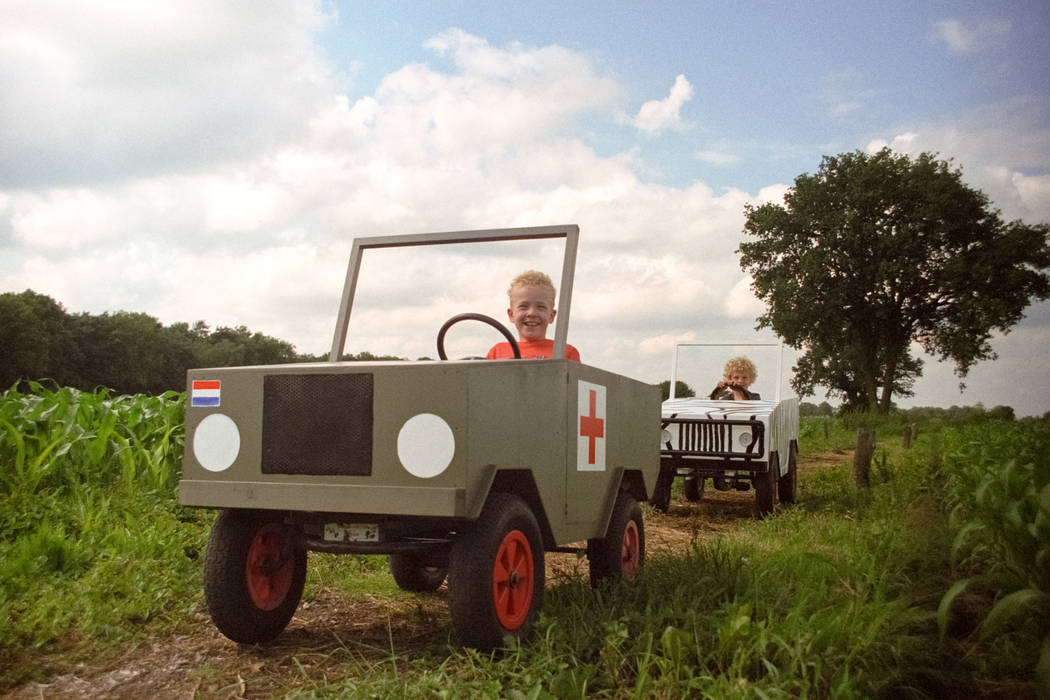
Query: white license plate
x=355, y=532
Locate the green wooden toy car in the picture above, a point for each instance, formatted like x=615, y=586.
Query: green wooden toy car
x=461, y=469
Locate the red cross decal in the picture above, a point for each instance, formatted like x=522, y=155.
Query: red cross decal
x=591, y=426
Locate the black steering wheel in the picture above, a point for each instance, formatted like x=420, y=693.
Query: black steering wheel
x=476, y=317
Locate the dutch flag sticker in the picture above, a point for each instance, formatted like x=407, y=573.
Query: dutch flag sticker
x=205, y=392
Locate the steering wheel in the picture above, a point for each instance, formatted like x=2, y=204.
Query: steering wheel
x=476, y=317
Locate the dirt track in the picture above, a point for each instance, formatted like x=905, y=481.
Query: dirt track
x=329, y=630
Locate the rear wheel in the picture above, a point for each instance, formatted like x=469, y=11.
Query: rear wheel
x=622, y=551
x=253, y=575
x=787, y=485
x=411, y=573
x=766, y=488
x=694, y=488
x=496, y=574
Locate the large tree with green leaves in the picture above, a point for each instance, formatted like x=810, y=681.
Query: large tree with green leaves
x=878, y=251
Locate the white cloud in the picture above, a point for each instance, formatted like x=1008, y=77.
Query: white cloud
x=741, y=302
x=122, y=91
x=970, y=37
x=657, y=115
x=1002, y=150
x=230, y=186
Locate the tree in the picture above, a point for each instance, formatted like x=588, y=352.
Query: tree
x=681, y=389
x=878, y=251
x=36, y=340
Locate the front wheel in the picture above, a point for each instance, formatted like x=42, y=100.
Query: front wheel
x=766, y=488
x=787, y=485
x=622, y=551
x=253, y=575
x=496, y=574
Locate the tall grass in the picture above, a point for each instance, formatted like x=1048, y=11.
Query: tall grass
x=835, y=597
x=998, y=497
x=92, y=543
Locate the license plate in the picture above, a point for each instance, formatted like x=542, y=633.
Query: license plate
x=355, y=532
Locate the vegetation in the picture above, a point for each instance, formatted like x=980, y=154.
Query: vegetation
x=876, y=252
x=128, y=353
x=681, y=390
x=91, y=539
x=849, y=594
x=998, y=500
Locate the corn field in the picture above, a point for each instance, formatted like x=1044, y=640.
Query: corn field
x=834, y=597
x=998, y=499
x=91, y=536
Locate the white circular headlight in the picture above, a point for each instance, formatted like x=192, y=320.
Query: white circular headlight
x=744, y=439
x=216, y=442
x=425, y=445
x=665, y=436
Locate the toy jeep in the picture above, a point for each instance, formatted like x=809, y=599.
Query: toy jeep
x=465, y=468
x=738, y=444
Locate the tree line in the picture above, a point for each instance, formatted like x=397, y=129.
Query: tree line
x=127, y=352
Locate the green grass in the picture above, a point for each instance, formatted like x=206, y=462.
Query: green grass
x=841, y=596
x=94, y=548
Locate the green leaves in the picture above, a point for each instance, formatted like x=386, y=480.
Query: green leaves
x=997, y=481
x=56, y=440
x=875, y=252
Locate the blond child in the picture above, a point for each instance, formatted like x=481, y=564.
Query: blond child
x=738, y=375
x=531, y=295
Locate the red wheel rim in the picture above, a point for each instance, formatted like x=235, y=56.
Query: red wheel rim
x=512, y=580
x=268, y=576
x=630, y=550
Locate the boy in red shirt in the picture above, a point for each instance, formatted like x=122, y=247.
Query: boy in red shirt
x=531, y=310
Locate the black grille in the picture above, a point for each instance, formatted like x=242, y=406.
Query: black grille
x=319, y=424
x=713, y=438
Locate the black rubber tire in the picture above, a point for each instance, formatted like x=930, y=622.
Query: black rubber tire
x=693, y=486
x=660, y=499
x=471, y=316
x=232, y=560
x=766, y=488
x=507, y=532
x=622, y=551
x=787, y=485
x=411, y=574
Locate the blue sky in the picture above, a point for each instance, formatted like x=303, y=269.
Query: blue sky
x=215, y=160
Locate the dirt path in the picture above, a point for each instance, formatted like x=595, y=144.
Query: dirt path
x=329, y=630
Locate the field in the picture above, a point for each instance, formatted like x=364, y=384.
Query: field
x=932, y=583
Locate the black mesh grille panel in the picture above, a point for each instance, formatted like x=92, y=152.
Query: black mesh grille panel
x=318, y=424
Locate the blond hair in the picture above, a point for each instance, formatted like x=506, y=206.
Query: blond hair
x=532, y=278
x=740, y=365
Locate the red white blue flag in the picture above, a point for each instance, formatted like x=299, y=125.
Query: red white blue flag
x=205, y=392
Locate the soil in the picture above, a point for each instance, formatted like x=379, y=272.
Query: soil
x=329, y=630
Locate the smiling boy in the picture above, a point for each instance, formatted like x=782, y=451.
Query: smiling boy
x=531, y=296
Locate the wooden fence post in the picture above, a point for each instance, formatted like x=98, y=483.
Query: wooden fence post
x=862, y=457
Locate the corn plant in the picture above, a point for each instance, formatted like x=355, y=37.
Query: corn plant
x=997, y=477
x=80, y=473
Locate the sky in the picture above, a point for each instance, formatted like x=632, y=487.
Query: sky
x=214, y=160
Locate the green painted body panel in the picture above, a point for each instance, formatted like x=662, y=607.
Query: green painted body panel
x=422, y=444
x=503, y=415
